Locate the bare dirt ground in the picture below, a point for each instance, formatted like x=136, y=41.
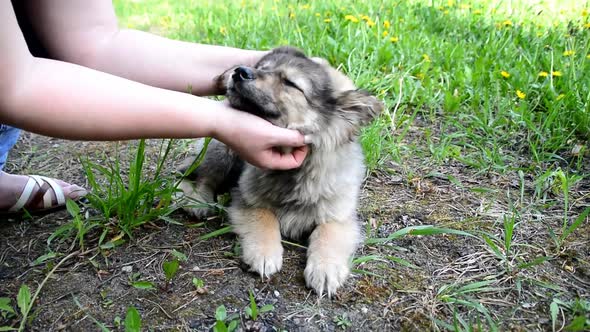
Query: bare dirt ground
x=390, y=295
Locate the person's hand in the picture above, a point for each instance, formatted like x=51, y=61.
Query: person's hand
x=257, y=141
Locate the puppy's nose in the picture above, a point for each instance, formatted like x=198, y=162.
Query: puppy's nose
x=243, y=74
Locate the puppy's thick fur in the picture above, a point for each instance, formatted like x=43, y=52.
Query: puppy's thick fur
x=319, y=198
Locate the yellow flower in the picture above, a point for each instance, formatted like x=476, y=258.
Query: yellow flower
x=464, y=6
x=520, y=94
x=505, y=74
x=223, y=31
x=365, y=18
x=385, y=33
x=587, y=25
x=543, y=74
x=446, y=12
x=426, y=57
x=351, y=18
x=386, y=24
x=394, y=39
x=477, y=12
x=318, y=14
x=569, y=53
x=291, y=15
x=539, y=34
x=450, y=3
x=584, y=12
x=588, y=56
x=306, y=6
x=507, y=23
x=560, y=97
x=556, y=73
x=370, y=23
x=327, y=20
x=420, y=76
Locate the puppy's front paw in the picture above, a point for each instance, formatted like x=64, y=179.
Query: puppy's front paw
x=326, y=273
x=265, y=258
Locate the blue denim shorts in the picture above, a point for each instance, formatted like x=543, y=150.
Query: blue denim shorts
x=8, y=137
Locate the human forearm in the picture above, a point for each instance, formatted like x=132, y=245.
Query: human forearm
x=167, y=63
x=68, y=101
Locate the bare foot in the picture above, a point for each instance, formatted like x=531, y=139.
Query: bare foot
x=12, y=186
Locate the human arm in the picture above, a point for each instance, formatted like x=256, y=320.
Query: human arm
x=87, y=33
x=68, y=101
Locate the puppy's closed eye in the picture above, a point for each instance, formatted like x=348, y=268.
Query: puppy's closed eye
x=292, y=84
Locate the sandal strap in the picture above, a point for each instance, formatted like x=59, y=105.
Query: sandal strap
x=43, y=193
x=39, y=195
x=59, y=194
x=24, y=196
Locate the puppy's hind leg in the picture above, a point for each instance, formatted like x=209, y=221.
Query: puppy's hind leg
x=331, y=246
x=217, y=173
x=260, y=238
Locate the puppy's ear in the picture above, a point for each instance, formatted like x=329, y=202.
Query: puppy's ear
x=221, y=81
x=358, y=107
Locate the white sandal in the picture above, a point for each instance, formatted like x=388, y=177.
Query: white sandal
x=31, y=200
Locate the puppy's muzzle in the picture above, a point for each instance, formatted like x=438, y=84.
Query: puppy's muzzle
x=243, y=74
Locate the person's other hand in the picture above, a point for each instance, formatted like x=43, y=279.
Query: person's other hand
x=258, y=141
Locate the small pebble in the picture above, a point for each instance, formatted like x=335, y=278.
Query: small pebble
x=127, y=268
x=276, y=293
x=364, y=310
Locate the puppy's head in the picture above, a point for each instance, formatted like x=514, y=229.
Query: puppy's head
x=293, y=91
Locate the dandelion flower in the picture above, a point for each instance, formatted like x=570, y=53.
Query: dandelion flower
x=351, y=18
x=569, y=53
x=370, y=23
x=223, y=31
x=477, y=12
x=426, y=57
x=505, y=74
x=291, y=15
x=543, y=74
x=365, y=18
x=394, y=39
x=306, y=6
x=587, y=25
x=327, y=20
x=507, y=23
x=318, y=14
x=464, y=6
x=556, y=73
x=385, y=33
x=584, y=12
x=520, y=94
x=386, y=24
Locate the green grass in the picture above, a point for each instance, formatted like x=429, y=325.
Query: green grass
x=446, y=59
